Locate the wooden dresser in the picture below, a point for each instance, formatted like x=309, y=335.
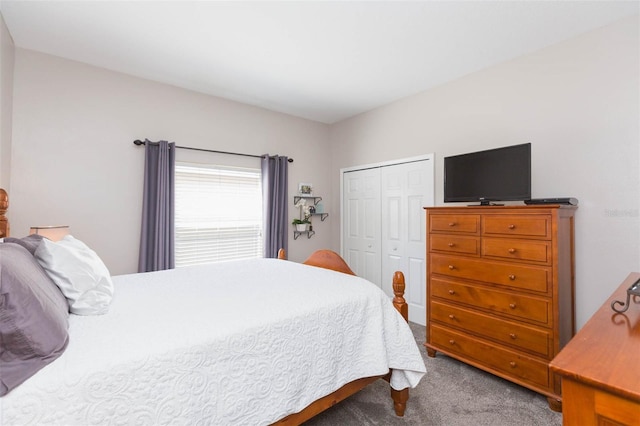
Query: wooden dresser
x=600, y=367
x=500, y=289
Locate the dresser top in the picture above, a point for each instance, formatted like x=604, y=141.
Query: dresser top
x=508, y=207
x=605, y=353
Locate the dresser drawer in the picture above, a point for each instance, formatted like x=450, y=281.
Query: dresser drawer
x=455, y=244
x=456, y=223
x=518, y=336
x=533, y=226
x=497, y=358
x=531, y=309
x=522, y=250
x=534, y=278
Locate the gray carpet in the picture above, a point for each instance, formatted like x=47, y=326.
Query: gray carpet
x=450, y=394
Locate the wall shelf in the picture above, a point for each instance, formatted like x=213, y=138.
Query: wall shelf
x=323, y=216
x=297, y=198
x=296, y=234
x=308, y=213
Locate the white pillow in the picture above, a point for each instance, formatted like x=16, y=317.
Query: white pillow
x=79, y=273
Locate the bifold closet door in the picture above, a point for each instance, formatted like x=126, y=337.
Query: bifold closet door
x=405, y=190
x=361, y=227
x=383, y=227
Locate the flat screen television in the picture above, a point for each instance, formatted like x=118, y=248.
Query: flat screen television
x=500, y=174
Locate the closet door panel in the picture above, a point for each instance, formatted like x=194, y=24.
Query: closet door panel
x=361, y=223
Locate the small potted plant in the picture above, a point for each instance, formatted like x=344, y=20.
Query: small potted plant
x=301, y=224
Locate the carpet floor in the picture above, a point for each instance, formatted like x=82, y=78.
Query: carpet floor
x=450, y=394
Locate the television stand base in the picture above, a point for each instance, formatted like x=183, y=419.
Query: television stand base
x=485, y=203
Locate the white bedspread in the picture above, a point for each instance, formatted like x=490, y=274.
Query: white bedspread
x=238, y=343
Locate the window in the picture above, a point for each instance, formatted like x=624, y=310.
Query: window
x=218, y=213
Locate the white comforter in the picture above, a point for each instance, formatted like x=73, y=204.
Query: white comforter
x=245, y=342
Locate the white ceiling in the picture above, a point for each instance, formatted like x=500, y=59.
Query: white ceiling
x=321, y=60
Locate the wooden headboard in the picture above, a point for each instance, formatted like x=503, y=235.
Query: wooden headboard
x=4, y=206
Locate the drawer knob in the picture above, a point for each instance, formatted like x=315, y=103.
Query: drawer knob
x=452, y=342
x=452, y=224
x=451, y=267
x=451, y=316
x=513, y=364
x=452, y=292
x=512, y=305
x=512, y=277
x=512, y=226
x=512, y=250
x=450, y=244
x=513, y=336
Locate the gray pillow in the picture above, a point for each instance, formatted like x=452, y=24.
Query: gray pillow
x=30, y=242
x=33, y=317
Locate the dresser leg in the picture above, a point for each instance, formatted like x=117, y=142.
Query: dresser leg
x=431, y=353
x=555, y=404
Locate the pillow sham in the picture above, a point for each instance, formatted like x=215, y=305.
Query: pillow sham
x=33, y=317
x=30, y=242
x=79, y=273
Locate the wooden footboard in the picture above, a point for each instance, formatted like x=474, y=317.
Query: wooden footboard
x=331, y=260
x=4, y=206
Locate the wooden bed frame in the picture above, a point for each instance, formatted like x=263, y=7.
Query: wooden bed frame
x=4, y=205
x=331, y=260
x=324, y=259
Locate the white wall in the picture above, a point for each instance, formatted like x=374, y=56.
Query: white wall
x=74, y=161
x=577, y=102
x=6, y=102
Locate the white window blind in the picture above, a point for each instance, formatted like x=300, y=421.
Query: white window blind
x=218, y=214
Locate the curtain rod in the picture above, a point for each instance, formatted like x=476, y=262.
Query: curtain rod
x=139, y=142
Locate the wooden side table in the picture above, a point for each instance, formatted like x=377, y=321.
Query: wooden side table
x=600, y=366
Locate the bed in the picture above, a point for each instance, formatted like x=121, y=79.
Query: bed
x=260, y=341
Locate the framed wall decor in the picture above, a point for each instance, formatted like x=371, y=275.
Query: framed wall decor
x=305, y=188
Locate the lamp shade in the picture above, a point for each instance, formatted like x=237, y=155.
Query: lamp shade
x=54, y=233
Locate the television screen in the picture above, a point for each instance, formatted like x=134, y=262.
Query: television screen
x=501, y=174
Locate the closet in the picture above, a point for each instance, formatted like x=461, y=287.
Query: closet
x=383, y=224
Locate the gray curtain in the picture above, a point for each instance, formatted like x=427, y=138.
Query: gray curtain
x=274, y=201
x=157, y=240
